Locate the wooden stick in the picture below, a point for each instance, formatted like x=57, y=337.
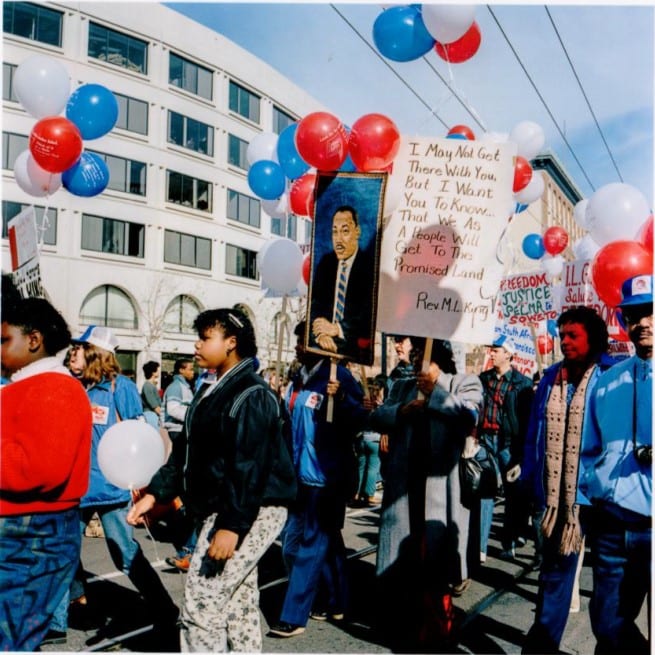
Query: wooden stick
x=280, y=343
x=330, y=400
x=362, y=375
x=427, y=356
x=540, y=366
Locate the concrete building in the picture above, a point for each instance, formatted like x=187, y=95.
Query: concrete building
x=178, y=228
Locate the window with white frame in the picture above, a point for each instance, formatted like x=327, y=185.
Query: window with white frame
x=33, y=22
x=46, y=224
x=8, y=71
x=110, y=306
x=244, y=102
x=189, y=191
x=236, y=152
x=118, y=49
x=112, y=236
x=190, y=133
x=281, y=120
x=190, y=76
x=180, y=314
x=12, y=145
x=241, y=262
x=243, y=208
x=187, y=250
x=132, y=114
x=126, y=175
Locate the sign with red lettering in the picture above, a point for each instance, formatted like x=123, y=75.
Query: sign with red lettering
x=526, y=299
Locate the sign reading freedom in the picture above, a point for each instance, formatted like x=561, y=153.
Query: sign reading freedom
x=439, y=274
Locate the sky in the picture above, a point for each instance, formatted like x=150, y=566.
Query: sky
x=520, y=72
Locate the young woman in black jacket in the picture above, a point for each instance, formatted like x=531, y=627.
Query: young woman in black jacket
x=235, y=475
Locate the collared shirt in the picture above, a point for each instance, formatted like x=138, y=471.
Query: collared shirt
x=348, y=263
x=495, y=390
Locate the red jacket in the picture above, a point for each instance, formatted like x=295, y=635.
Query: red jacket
x=45, y=444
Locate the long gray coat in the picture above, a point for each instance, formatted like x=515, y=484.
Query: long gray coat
x=423, y=463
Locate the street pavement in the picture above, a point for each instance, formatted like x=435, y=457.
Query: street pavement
x=493, y=614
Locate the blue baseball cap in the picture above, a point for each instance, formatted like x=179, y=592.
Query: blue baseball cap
x=637, y=290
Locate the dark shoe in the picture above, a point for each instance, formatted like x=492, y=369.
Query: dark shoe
x=285, y=630
x=324, y=616
x=536, y=563
x=53, y=637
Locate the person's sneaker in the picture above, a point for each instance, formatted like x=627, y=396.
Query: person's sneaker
x=460, y=588
x=324, y=616
x=53, y=637
x=508, y=554
x=285, y=630
x=483, y=557
x=181, y=563
x=521, y=541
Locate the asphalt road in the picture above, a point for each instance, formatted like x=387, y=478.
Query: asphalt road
x=494, y=613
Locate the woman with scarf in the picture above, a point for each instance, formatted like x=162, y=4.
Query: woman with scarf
x=551, y=469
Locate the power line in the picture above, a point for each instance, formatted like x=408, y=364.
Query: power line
x=602, y=136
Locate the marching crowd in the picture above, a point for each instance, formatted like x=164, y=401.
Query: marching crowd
x=253, y=461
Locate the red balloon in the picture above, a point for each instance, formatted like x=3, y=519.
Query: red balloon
x=556, y=239
x=645, y=236
x=614, y=263
x=373, y=143
x=463, y=130
x=322, y=141
x=462, y=49
x=301, y=195
x=55, y=143
x=522, y=173
x=544, y=344
x=305, y=268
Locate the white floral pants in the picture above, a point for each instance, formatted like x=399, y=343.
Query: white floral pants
x=221, y=604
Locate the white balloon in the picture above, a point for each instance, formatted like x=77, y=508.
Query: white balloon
x=276, y=208
x=42, y=86
x=580, y=213
x=529, y=137
x=32, y=179
x=553, y=265
x=263, y=146
x=615, y=212
x=447, y=23
x=281, y=265
x=533, y=191
x=130, y=453
x=585, y=248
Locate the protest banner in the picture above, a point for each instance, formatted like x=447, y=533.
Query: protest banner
x=24, y=252
x=525, y=357
x=439, y=273
x=526, y=299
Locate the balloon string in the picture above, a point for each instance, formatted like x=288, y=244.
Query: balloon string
x=45, y=222
x=145, y=525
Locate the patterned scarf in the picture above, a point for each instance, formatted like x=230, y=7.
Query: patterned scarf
x=563, y=432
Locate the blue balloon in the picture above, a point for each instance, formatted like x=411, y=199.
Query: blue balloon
x=266, y=179
x=552, y=328
x=400, y=34
x=89, y=177
x=520, y=207
x=292, y=164
x=93, y=109
x=533, y=246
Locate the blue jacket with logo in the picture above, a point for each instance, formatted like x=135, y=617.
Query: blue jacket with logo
x=107, y=405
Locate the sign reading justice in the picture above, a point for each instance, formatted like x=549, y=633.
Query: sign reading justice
x=439, y=273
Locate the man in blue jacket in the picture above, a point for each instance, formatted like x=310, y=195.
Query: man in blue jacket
x=617, y=458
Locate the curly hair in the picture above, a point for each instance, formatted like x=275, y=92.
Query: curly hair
x=234, y=323
x=593, y=324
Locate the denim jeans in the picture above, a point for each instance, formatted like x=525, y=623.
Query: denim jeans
x=368, y=453
x=127, y=557
x=38, y=556
x=622, y=580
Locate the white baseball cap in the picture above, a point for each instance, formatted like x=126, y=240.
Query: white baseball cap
x=99, y=336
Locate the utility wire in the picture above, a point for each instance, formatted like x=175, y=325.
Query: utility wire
x=602, y=136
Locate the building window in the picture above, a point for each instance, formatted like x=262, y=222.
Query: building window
x=290, y=230
x=189, y=133
x=12, y=146
x=32, y=22
x=108, y=305
x=112, y=236
x=125, y=175
x=46, y=229
x=292, y=227
x=281, y=120
x=243, y=208
x=8, y=71
x=189, y=191
x=308, y=231
x=118, y=49
x=180, y=315
x=244, y=102
x=132, y=114
x=187, y=250
x=240, y=262
x=189, y=76
x=236, y=152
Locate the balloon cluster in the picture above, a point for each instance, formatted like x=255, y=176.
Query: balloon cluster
x=55, y=155
x=619, y=237
x=405, y=33
x=281, y=174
